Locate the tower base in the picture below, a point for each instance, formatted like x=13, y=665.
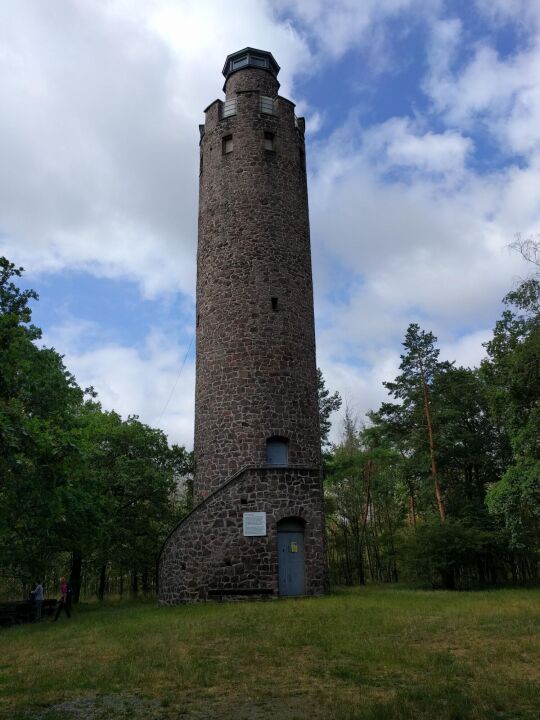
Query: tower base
x=212, y=553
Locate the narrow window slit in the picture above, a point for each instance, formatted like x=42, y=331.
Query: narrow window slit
x=227, y=144
x=274, y=303
x=269, y=141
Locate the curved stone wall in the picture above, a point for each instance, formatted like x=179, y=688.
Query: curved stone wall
x=208, y=554
x=256, y=374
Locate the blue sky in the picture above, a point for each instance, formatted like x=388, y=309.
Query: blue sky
x=423, y=157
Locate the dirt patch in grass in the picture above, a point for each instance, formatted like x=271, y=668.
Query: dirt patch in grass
x=133, y=707
x=93, y=707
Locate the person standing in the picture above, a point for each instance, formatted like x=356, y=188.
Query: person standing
x=63, y=602
x=37, y=596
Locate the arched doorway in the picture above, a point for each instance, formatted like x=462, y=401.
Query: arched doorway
x=290, y=533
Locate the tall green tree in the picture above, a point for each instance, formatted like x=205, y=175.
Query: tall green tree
x=76, y=482
x=512, y=372
x=125, y=496
x=38, y=401
x=414, y=415
x=472, y=450
x=364, y=507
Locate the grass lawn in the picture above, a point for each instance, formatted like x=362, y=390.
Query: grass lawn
x=375, y=653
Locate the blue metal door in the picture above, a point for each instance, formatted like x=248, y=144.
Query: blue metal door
x=291, y=563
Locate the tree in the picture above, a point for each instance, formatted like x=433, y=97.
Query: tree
x=512, y=371
x=38, y=398
x=126, y=496
x=328, y=403
x=363, y=507
x=472, y=450
x=77, y=483
x=529, y=248
x=414, y=415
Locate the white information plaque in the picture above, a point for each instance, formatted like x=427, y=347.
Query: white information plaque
x=254, y=524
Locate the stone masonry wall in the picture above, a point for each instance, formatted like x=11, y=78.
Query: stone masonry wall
x=209, y=552
x=256, y=374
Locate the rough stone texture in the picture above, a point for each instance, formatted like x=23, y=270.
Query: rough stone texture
x=208, y=550
x=256, y=372
x=251, y=80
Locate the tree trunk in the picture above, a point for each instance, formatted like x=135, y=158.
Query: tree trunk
x=427, y=412
x=369, y=473
x=347, y=560
x=412, y=507
x=134, y=582
x=361, y=572
x=75, y=576
x=393, y=573
x=102, y=581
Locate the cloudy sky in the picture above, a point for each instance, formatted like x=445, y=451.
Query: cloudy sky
x=423, y=156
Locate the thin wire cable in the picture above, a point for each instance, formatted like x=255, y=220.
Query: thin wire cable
x=177, y=378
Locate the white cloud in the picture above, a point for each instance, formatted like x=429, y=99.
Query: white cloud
x=523, y=13
x=99, y=129
x=390, y=250
x=499, y=94
x=400, y=142
x=154, y=380
x=468, y=350
x=338, y=26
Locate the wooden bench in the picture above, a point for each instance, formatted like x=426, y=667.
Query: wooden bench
x=17, y=613
x=8, y=614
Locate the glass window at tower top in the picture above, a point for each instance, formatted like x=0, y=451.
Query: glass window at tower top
x=259, y=61
x=268, y=105
x=249, y=59
x=239, y=62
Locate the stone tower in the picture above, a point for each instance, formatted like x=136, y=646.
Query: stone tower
x=258, y=525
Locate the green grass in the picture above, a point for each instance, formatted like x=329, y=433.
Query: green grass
x=370, y=654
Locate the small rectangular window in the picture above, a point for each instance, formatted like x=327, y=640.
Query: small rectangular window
x=260, y=61
x=228, y=108
x=268, y=105
x=274, y=303
x=239, y=62
x=227, y=144
x=269, y=141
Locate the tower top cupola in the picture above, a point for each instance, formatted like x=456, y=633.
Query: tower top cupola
x=250, y=58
